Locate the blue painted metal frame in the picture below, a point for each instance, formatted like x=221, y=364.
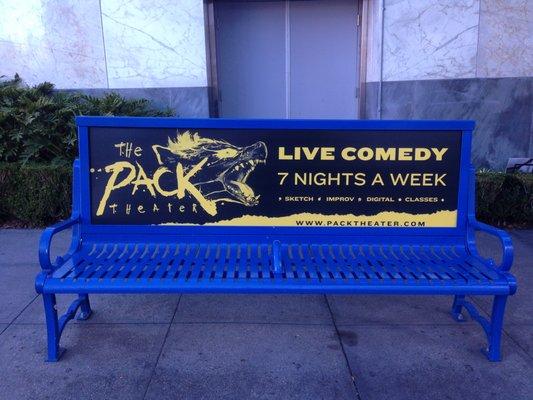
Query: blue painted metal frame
x=463, y=235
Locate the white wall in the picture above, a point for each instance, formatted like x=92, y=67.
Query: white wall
x=450, y=39
x=104, y=44
x=161, y=43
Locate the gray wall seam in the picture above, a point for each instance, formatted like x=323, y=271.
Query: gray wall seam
x=103, y=43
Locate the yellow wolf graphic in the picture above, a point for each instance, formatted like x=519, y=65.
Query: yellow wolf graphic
x=225, y=167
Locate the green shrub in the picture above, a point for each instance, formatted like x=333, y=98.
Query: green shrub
x=34, y=195
x=37, y=123
x=505, y=199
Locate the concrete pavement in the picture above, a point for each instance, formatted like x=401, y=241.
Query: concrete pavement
x=260, y=346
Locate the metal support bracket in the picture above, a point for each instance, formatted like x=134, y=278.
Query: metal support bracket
x=56, y=326
x=493, y=328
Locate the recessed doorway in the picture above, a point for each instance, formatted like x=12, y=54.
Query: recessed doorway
x=286, y=59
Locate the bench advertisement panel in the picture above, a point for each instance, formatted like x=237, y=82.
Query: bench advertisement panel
x=261, y=177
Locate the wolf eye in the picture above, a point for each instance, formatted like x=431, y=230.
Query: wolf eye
x=227, y=153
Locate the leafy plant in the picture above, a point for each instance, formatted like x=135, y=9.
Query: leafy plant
x=37, y=123
x=34, y=195
x=504, y=199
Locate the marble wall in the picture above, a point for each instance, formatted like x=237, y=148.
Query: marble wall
x=505, y=38
x=449, y=39
x=456, y=59
x=430, y=40
x=104, y=43
x=156, y=43
x=55, y=40
x=501, y=108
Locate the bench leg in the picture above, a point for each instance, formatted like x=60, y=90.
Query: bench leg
x=493, y=328
x=457, y=307
x=493, y=351
x=85, y=308
x=52, y=327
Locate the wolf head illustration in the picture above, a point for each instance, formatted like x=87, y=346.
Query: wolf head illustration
x=226, y=169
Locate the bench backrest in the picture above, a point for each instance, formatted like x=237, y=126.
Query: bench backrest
x=168, y=177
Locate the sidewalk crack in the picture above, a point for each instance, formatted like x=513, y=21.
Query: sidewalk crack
x=352, y=375
x=152, y=373
x=19, y=314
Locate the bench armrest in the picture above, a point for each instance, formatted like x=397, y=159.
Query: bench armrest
x=505, y=240
x=46, y=241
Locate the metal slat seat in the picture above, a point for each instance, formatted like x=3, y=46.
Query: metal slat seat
x=175, y=267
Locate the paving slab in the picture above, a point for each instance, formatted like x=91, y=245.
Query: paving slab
x=489, y=246
x=246, y=361
x=21, y=246
x=523, y=247
x=101, y=362
x=524, y=236
x=111, y=308
x=246, y=308
x=518, y=322
x=18, y=268
x=391, y=310
x=522, y=335
x=16, y=289
x=433, y=362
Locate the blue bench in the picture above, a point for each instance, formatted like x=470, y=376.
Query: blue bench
x=164, y=205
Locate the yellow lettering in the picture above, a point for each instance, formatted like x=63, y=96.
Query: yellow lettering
x=360, y=179
x=184, y=185
x=365, y=154
x=422, y=154
x=415, y=179
x=439, y=153
x=385, y=154
x=347, y=153
x=282, y=155
x=399, y=178
x=310, y=154
x=378, y=180
x=404, y=154
x=327, y=153
x=142, y=179
x=157, y=175
x=111, y=185
x=439, y=179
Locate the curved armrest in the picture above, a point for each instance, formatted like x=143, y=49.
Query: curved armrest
x=505, y=240
x=46, y=240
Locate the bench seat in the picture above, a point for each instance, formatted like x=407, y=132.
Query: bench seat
x=305, y=268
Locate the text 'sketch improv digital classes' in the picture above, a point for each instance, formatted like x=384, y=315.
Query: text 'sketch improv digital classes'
x=257, y=177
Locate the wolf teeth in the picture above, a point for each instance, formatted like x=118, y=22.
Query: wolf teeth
x=252, y=163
